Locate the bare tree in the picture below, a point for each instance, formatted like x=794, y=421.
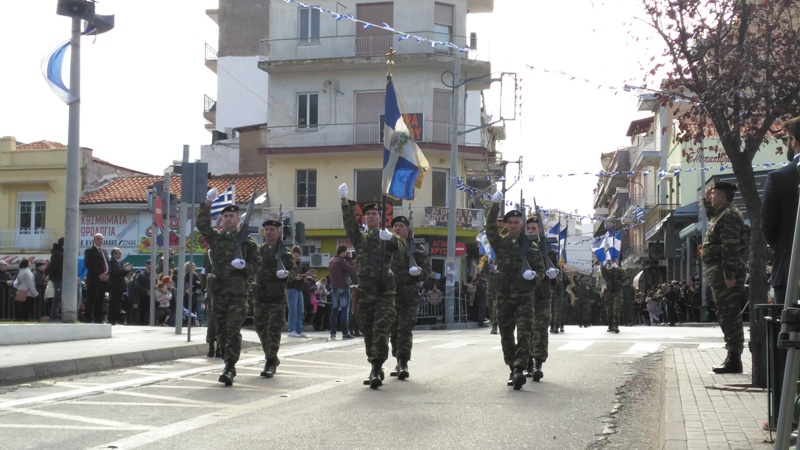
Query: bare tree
x=738, y=64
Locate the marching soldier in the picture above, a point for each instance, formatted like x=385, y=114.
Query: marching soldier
x=583, y=303
x=541, y=313
x=407, y=273
x=269, y=299
x=614, y=275
x=519, y=268
x=230, y=280
x=491, y=296
x=723, y=248
x=375, y=249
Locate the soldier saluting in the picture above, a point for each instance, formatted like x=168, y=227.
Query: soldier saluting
x=519, y=268
x=375, y=249
x=269, y=299
x=228, y=279
x=722, y=252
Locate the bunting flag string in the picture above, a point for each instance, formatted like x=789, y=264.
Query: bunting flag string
x=403, y=36
x=600, y=86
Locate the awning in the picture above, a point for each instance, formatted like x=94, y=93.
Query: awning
x=689, y=210
x=636, y=279
x=689, y=231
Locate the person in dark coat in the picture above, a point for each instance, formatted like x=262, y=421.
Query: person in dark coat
x=54, y=275
x=116, y=285
x=779, y=210
x=95, y=258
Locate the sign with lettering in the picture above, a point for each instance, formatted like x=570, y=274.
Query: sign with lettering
x=414, y=123
x=437, y=216
x=438, y=247
x=118, y=230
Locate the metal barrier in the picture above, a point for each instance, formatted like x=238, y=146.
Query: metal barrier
x=432, y=308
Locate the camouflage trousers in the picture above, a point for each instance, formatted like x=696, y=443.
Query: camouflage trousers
x=269, y=317
x=557, y=311
x=541, y=326
x=583, y=311
x=229, y=312
x=491, y=300
x=406, y=305
x=613, y=304
x=729, y=302
x=375, y=317
x=515, y=310
x=211, y=329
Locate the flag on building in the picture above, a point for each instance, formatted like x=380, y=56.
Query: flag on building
x=404, y=165
x=638, y=213
x=226, y=198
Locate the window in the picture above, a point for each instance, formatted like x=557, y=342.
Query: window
x=306, y=189
x=369, y=187
x=307, y=108
x=309, y=26
x=439, y=185
x=31, y=212
x=443, y=26
x=374, y=40
x=369, y=107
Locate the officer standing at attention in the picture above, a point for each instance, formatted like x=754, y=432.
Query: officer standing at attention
x=519, y=268
x=406, y=276
x=230, y=284
x=269, y=299
x=722, y=252
x=375, y=249
x=541, y=311
x=614, y=275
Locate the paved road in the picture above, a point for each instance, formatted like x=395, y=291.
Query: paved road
x=456, y=397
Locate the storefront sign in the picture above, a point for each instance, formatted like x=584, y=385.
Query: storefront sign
x=118, y=230
x=437, y=216
x=438, y=247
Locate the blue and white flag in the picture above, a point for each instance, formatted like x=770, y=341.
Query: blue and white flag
x=608, y=246
x=554, y=231
x=562, y=245
x=53, y=64
x=485, y=248
x=404, y=165
x=226, y=198
x=638, y=213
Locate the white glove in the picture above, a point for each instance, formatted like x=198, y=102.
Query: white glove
x=238, y=263
x=497, y=197
x=343, y=190
x=551, y=272
x=614, y=265
x=212, y=194
x=282, y=274
x=529, y=275
x=385, y=234
x=414, y=271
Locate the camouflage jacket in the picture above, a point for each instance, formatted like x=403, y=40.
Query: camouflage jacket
x=614, y=278
x=400, y=265
x=267, y=277
x=723, y=245
x=509, y=252
x=223, y=245
x=368, y=251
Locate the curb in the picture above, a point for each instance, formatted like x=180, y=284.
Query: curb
x=672, y=427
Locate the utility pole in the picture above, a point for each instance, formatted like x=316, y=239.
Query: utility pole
x=450, y=264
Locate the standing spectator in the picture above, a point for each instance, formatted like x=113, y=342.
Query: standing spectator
x=41, y=286
x=5, y=288
x=96, y=260
x=294, y=297
x=116, y=285
x=143, y=292
x=163, y=300
x=341, y=268
x=25, y=282
x=54, y=274
x=322, y=303
x=695, y=300
x=192, y=288
x=723, y=248
x=779, y=210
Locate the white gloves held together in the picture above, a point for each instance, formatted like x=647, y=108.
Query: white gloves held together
x=529, y=275
x=343, y=190
x=551, y=273
x=238, y=263
x=282, y=274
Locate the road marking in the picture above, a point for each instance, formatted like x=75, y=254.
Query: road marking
x=710, y=346
x=575, y=346
x=90, y=420
x=643, y=348
x=454, y=344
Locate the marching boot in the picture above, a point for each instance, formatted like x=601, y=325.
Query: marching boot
x=211, y=351
x=616, y=327
x=518, y=378
x=269, y=368
x=537, y=370
x=610, y=328
x=510, y=381
x=494, y=329
x=402, y=369
x=732, y=364
x=396, y=369
x=376, y=376
x=227, y=374
x=528, y=372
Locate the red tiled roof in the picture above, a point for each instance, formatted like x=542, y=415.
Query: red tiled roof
x=41, y=145
x=132, y=189
x=102, y=161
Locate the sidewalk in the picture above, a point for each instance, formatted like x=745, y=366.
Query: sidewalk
x=701, y=410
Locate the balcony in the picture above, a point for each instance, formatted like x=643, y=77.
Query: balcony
x=654, y=220
x=27, y=240
x=213, y=14
x=211, y=58
x=210, y=112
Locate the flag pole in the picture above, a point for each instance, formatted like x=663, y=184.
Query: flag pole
x=389, y=66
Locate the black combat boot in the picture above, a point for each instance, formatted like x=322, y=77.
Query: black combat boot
x=211, y=351
x=610, y=328
x=227, y=374
x=528, y=372
x=494, y=329
x=402, y=369
x=376, y=375
x=732, y=364
x=616, y=327
x=537, y=370
x=393, y=373
x=269, y=368
x=518, y=378
x=510, y=381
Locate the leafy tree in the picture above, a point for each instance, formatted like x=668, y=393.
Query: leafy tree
x=737, y=62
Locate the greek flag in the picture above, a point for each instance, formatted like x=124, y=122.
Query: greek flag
x=562, y=244
x=404, y=165
x=555, y=232
x=608, y=246
x=638, y=213
x=226, y=198
x=53, y=63
x=485, y=248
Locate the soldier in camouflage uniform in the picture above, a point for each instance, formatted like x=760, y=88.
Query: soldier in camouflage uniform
x=723, y=248
x=614, y=275
x=557, y=308
x=491, y=296
x=583, y=302
x=269, y=293
x=406, y=278
x=376, y=290
x=519, y=268
x=542, y=296
x=228, y=280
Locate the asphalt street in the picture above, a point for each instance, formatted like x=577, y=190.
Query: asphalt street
x=456, y=397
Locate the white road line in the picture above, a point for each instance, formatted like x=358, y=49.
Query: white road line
x=160, y=405
x=499, y=347
x=710, y=346
x=90, y=420
x=164, y=398
x=70, y=427
x=454, y=344
x=575, y=346
x=643, y=348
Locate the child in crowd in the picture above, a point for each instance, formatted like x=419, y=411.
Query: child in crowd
x=163, y=298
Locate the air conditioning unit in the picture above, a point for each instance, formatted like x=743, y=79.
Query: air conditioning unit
x=320, y=259
x=655, y=250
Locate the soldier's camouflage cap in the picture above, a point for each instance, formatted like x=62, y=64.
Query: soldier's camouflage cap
x=512, y=213
x=370, y=207
x=272, y=223
x=229, y=208
x=401, y=219
x=724, y=185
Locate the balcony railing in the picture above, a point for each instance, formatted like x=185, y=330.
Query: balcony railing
x=348, y=134
x=211, y=57
x=209, y=104
x=40, y=239
x=345, y=46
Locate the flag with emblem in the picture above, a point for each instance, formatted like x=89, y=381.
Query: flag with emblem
x=404, y=165
x=226, y=198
